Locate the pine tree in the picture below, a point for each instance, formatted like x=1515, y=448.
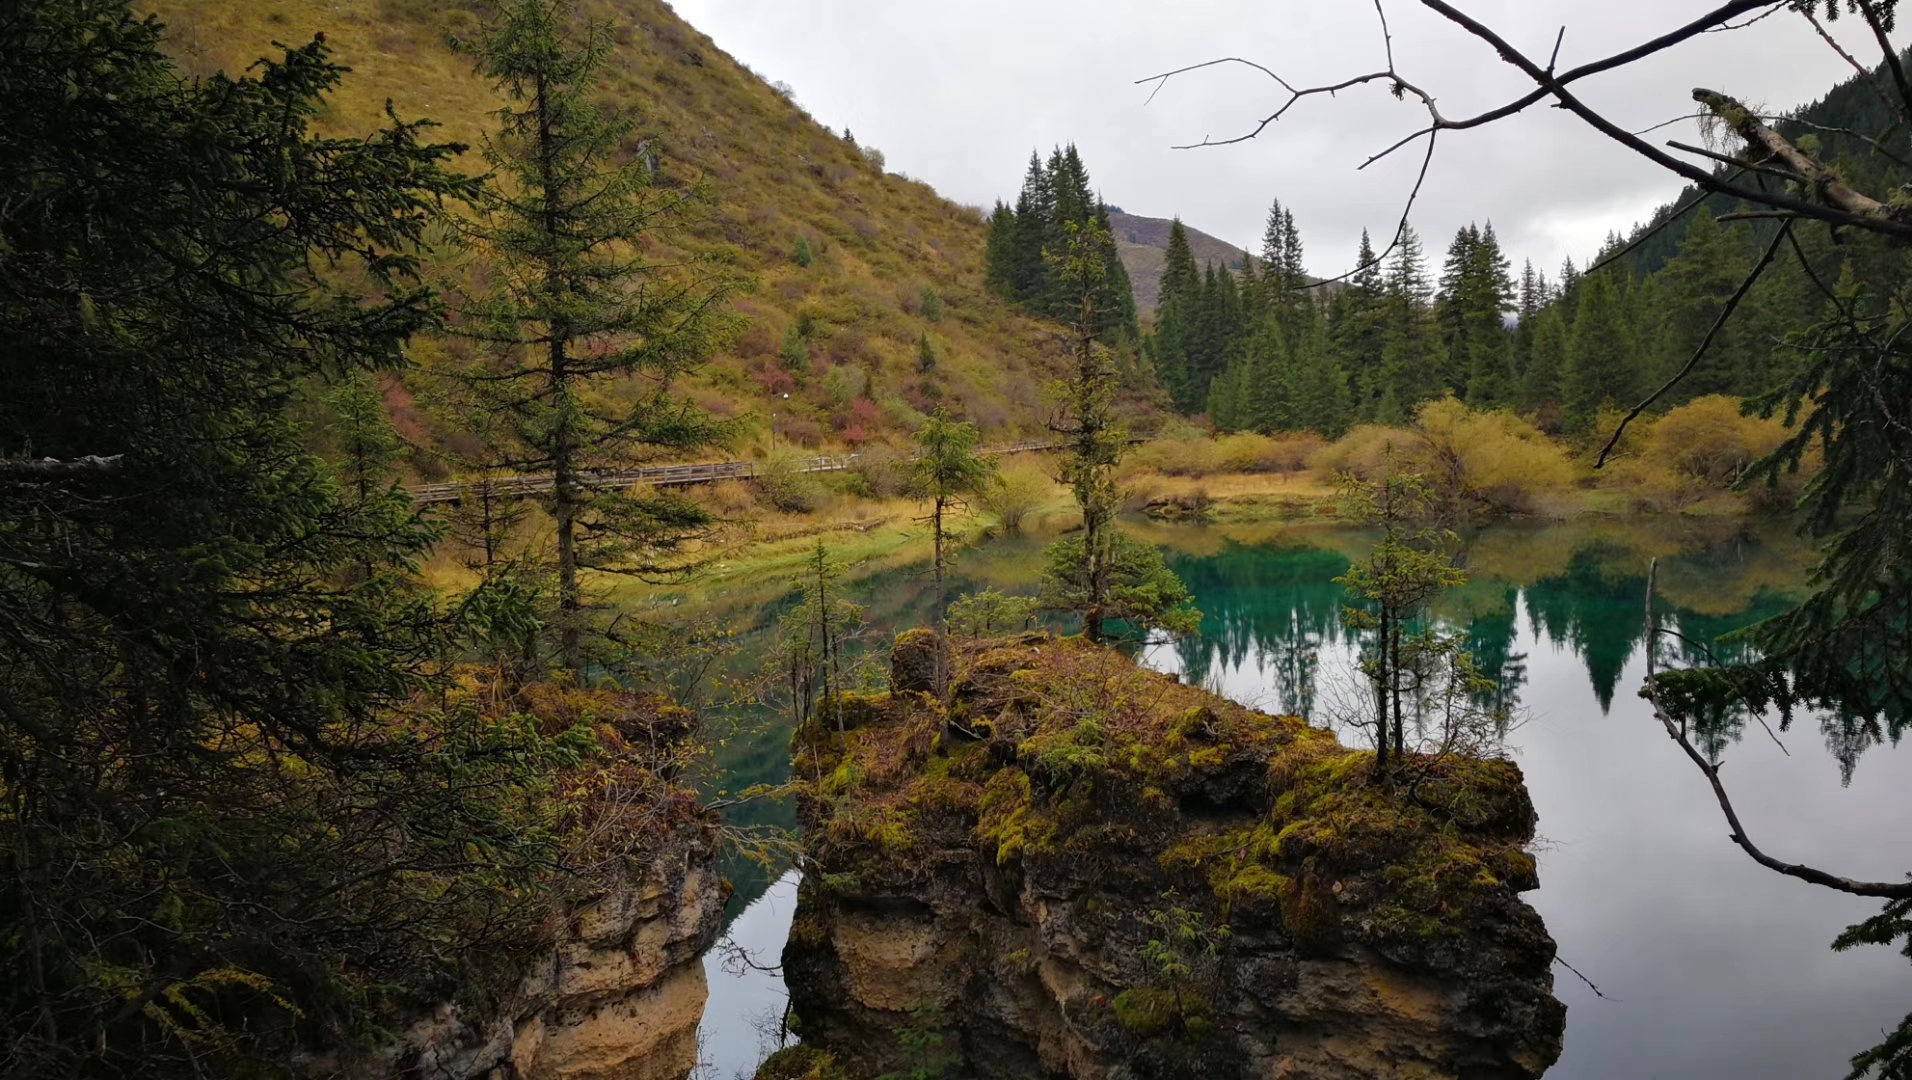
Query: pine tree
x=947, y=470
x=1489, y=347
x=1600, y=357
x=1096, y=441
x=580, y=309
x=1532, y=298
x=235, y=821
x=1410, y=360
x=1177, y=306
x=1320, y=388
x=1357, y=332
x=1711, y=263
x=1541, y=383
x=1034, y=216
x=1000, y=252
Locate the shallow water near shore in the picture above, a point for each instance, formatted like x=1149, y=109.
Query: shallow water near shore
x=1710, y=965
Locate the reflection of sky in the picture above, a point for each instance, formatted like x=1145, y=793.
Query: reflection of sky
x=746, y=1004
x=1718, y=967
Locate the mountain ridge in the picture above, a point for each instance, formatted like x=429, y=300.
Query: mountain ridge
x=1142, y=242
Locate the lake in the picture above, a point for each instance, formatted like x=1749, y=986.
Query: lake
x=1710, y=966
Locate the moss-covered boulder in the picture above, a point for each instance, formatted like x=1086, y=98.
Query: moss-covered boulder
x=1123, y=872
x=913, y=661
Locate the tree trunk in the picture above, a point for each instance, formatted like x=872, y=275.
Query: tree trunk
x=1381, y=696
x=564, y=478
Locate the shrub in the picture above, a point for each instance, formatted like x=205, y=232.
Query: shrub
x=1491, y=461
x=879, y=473
x=1198, y=456
x=804, y=255
x=1362, y=453
x=1476, y=463
x=1709, y=441
x=1016, y=494
x=932, y=306
x=842, y=386
x=1250, y=453
x=990, y=613
x=785, y=486
x=795, y=355
x=1696, y=451
x=729, y=498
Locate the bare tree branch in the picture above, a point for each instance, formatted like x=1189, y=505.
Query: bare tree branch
x=1888, y=890
x=1756, y=132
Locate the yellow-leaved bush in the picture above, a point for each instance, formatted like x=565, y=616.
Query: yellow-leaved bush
x=1695, y=454
x=1478, y=463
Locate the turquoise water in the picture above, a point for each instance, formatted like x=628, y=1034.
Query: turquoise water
x=1712, y=967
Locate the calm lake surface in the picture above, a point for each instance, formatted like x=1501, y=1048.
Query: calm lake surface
x=1712, y=966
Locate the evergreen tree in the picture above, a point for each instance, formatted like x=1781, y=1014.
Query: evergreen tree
x=1035, y=216
x=1533, y=297
x=1321, y=395
x=1177, y=306
x=1541, y=383
x=1357, y=320
x=947, y=470
x=1711, y=263
x=1410, y=360
x=1097, y=572
x=1600, y=355
x=1000, y=253
x=1488, y=350
x=237, y=827
x=579, y=309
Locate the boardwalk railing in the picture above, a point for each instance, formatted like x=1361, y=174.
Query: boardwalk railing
x=516, y=487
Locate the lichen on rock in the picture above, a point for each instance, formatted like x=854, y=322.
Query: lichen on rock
x=1094, y=870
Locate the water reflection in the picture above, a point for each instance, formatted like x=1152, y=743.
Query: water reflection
x=1716, y=968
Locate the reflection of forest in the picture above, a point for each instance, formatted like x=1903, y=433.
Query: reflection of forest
x=1275, y=607
x=1271, y=607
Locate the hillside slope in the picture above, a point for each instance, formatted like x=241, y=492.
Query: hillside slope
x=889, y=261
x=1143, y=245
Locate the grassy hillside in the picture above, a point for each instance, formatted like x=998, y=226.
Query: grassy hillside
x=890, y=261
x=1143, y=245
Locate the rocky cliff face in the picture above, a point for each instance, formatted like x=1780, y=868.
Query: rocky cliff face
x=617, y=998
x=1100, y=873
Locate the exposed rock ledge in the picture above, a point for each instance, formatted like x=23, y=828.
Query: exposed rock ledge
x=1003, y=890
x=618, y=998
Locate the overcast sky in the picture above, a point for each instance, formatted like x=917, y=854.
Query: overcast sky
x=957, y=94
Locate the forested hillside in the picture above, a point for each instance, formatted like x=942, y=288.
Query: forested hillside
x=859, y=292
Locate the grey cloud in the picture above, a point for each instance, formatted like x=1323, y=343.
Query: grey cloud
x=958, y=94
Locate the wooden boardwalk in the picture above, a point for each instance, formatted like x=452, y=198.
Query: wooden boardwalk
x=517, y=487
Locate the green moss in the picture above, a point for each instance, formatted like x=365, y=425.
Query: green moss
x=1252, y=883
x=1310, y=914
x=1148, y=1011
x=1092, y=758
x=800, y=1063
x=1008, y=823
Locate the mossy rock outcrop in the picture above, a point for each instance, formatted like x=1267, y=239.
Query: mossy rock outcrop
x=1120, y=875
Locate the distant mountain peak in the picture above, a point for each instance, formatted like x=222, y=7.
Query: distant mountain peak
x=1143, y=244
